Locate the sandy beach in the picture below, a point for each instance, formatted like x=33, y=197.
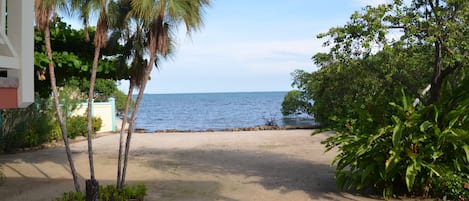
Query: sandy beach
x=254, y=165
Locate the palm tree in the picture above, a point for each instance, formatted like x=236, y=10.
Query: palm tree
x=100, y=39
x=129, y=29
x=85, y=8
x=157, y=17
x=43, y=11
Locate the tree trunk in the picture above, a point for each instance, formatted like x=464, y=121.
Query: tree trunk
x=92, y=190
x=121, y=139
x=134, y=115
x=437, y=78
x=60, y=118
x=92, y=181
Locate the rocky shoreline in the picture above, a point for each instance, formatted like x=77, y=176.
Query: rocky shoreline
x=256, y=128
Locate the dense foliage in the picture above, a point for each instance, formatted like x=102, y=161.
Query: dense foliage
x=110, y=193
x=295, y=102
x=37, y=124
x=76, y=126
x=32, y=126
x=413, y=153
x=392, y=135
x=73, y=58
x=27, y=127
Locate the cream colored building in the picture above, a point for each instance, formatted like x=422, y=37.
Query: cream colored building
x=16, y=53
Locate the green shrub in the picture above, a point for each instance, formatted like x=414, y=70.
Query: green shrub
x=295, y=102
x=96, y=124
x=452, y=186
x=110, y=193
x=78, y=126
x=121, y=99
x=411, y=154
x=26, y=127
x=56, y=133
x=71, y=196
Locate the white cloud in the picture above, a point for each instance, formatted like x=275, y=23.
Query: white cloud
x=372, y=2
x=255, y=53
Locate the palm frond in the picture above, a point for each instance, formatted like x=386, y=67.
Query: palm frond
x=43, y=10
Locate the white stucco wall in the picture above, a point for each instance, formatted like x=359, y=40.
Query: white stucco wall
x=105, y=110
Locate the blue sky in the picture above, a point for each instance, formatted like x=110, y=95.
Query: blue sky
x=250, y=45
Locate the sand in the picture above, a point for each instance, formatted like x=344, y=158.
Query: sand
x=254, y=165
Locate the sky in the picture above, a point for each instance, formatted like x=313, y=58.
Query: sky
x=249, y=45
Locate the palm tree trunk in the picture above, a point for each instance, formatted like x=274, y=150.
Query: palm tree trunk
x=134, y=116
x=89, y=110
x=92, y=184
x=121, y=139
x=63, y=128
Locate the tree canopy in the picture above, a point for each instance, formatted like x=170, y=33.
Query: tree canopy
x=72, y=57
x=371, y=88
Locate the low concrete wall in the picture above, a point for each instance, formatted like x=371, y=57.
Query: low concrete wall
x=104, y=110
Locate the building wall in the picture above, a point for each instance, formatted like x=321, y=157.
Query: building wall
x=104, y=110
x=17, y=50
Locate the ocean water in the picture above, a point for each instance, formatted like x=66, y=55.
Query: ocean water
x=203, y=111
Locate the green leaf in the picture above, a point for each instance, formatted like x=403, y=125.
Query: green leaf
x=404, y=100
x=437, y=130
x=436, y=114
x=462, y=133
x=368, y=170
x=392, y=160
x=410, y=174
x=425, y=125
x=396, y=119
x=340, y=181
x=466, y=149
x=433, y=169
x=396, y=135
x=452, y=122
x=400, y=108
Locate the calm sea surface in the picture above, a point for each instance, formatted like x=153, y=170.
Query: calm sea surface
x=202, y=111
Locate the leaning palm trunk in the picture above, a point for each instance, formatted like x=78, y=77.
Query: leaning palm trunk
x=92, y=186
x=158, y=44
x=142, y=86
x=121, y=139
x=60, y=118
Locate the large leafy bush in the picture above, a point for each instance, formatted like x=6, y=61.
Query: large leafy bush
x=415, y=153
x=365, y=88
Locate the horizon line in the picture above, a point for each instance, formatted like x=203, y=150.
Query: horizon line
x=211, y=92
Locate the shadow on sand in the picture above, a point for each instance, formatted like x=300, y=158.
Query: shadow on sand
x=273, y=171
